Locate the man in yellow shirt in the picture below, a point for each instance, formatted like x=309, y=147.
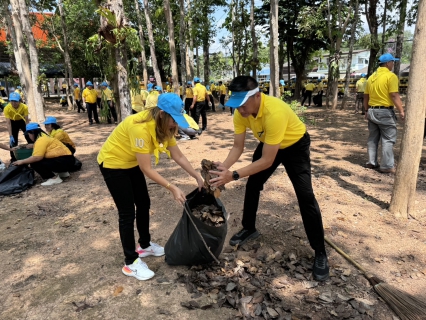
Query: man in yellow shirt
x=16, y=114
x=89, y=98
x=282, y=140
x=213, y=89
x=222, y=94
x=77, y=98
x=209, y=93
x=360, y=88
x=189, y=96
x=109, y=100
x=2, y=91
x=199, y=106
x=21, y=92
x=64, y=87
x=380, y=96
x=309, y=88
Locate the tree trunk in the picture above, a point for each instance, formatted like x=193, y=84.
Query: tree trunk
x=190, y=74
x=14, y=43
x=68, y=69
x=404, y=190
x=255, y=60
x=400, y=35
x=142, y=41
x=182, y=42
x=373, y=25
x=273, y=45
x=191, y=42
x=206, y=43
x=198, y=61
x=170, y=25
x=27, y=86
x=35, y=73
x=151, y=43
x=234, y=63
x=351, y=49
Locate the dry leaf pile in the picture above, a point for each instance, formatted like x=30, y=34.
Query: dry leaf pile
x=210, y=215
x=206, y=166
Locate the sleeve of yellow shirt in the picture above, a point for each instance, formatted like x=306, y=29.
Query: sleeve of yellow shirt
x=393, y=84
x=275, y=128
x=40, y=147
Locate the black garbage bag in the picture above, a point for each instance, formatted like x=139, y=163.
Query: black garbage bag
x=16, y=179
x=185, y=246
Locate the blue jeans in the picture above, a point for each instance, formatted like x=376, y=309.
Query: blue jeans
x=381, y=125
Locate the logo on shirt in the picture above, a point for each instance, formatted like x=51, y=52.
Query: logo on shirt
x=260, y=133
x=139, y=143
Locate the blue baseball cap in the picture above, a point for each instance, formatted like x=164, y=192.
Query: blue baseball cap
x=158, y=88
x=18, y=87
x=149, y=86
x=14, y=96
x=282, y=82
x=237, y=99
x=211, y=81
x=189, y=82
x=167, y=82
x=75, y=84
x=50, y=120
x=172, y=104
x=363, y=75
x=32, y=126
x=386, y=58
x=89, y=83
x=104, y=84
x=196, y=79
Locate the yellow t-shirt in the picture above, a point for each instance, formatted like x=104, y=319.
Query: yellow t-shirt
x=180, y=90
x=137, y=102
x=200, y=91
x=131, y=137
x=62, y=136
x=191, y=122
x=90, y=96
x=16, y=114
x=107, y=94
x=310, y=87
x=21, y=93
x=152, y=100
x=77, y=93
x=320, y=86
x=361, y=84
x=213, y=88
x=188, y=93
x=169, y=88
x=379, y=86
x=222, y=89
x=48, y=147
x=275, y=123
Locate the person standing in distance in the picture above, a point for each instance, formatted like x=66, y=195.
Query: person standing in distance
x=283, y=140
x=222, y=94
x=198, y=106
x=90, y=96
x=125, y=160
x=360, y=88
x=381, y=94
x=77, y=98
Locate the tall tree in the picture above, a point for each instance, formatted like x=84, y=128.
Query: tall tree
x=255, y=60
x=25, y=63
x=400, y=34
x=373, y=25
x=182, y=42
x=151, y=42
x=404, y=190
x=142, y=41
x=169, y=19
x=190, y=53
x=273, y=47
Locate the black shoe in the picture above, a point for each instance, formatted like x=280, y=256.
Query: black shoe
x=320, y=268
x=242, y=236
x=200, y=132
x=204, y=129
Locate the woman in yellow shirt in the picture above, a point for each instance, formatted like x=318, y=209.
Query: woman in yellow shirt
x=54, y=130
x=49, y=156
x=189, y=96
x=125, y=160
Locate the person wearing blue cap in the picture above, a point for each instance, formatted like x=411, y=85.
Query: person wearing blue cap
x=360, y=87
x=49, y=156
x=54, y=130
x=189, y=97
x=125, y=160
x=108, y=102
x=90, y=97
x=381, y=95
x=21, y=93
x=16, y=114
x=199, y=106
x=77, y=98
x=283, y=139
x=210, y=94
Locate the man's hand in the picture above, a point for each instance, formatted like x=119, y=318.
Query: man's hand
x=192, y=106
x=224, y=176
x=402, y=114
x=18, y=162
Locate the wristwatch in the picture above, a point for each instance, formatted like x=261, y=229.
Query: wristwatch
x=235, y=175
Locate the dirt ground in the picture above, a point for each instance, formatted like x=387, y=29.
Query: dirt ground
x=60, y=253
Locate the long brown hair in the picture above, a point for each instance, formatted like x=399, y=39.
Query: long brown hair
x=162, y=129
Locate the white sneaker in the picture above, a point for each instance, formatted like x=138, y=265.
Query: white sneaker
x=52, y=181
x=153, y=250
x=64, y=174
x=138, y=269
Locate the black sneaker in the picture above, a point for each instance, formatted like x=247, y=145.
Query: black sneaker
x=242, y=236
x=320, y=268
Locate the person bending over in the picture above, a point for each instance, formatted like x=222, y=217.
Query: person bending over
x=54, y=130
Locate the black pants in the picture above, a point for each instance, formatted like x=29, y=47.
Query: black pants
x=64, y=90
x=222, y=101
x=3, y=93
x=17, y=125
x=128, y=189
x=308, y=94
x=47, y=166
x=98, y=102
x=79, y=106
x=188, y=103
x=200, y=109
x=91, y=107
x=296, y=160
x=212, y=101
x=111, y=112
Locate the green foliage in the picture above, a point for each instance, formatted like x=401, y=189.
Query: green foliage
x=298, y=109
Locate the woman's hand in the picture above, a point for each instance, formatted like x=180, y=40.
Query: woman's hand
x=200, y=182
x=178, y=194
x=29, y=146
x=18, y=162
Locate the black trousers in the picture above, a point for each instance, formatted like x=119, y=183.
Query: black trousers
x=47, y=166
x=128, y=189
x=212, y=101
x=222, y=101
x=79, y=106
x=296, y=160
x=98, y=102
x=307, y=94
x=111, y=112
x=200, y=109
x=17, y=125
x=91, y=107
x=188, y=103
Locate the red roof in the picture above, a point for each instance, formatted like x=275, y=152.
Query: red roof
x=39, y=34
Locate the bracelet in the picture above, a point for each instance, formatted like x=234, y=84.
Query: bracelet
x=168, y=185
